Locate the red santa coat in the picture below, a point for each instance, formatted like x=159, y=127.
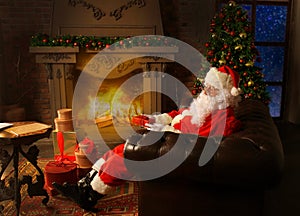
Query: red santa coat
x=114, y=163
x=213, y=124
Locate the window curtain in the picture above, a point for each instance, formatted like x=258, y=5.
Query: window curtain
x=293, y=78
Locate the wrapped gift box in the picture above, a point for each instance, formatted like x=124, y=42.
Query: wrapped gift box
x=59, y=171
x=63, y=168
x=70, y=144
x=64, y=121
x=139, y=120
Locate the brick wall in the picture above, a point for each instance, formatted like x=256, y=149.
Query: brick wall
x=25, y=82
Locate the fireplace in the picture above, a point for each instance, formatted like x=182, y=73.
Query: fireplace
x=130, y=84
x=109, y=102
x=131, y=88
x=65, y=64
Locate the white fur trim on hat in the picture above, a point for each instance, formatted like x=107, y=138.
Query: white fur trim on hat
x=236, y=91
x=212, y=78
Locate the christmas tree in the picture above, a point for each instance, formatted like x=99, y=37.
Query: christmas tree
x=231, y=43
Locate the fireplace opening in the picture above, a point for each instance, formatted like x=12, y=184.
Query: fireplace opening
x=114, y=103
x=143, y=88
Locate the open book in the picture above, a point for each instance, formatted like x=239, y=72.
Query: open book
x=23, y=129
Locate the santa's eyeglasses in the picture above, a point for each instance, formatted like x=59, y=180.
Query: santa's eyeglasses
x=210, y=90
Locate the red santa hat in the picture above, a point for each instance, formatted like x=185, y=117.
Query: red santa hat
x=224, y=78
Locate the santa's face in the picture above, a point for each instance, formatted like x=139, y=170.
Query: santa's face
x=210, y=91
x=212, y=98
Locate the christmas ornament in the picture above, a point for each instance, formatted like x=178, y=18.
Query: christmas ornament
x=250, y=83
x=222, y=61
x=243, y=35
x=236, y=39
x=231, y=3
x=249, y=64
x=238, y=47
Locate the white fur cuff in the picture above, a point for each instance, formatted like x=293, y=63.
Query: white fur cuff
x=164, y=119
x=99, y=186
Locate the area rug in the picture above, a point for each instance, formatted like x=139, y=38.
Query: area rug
x=122, y=202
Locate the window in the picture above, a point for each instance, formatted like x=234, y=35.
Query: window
x=270, y=19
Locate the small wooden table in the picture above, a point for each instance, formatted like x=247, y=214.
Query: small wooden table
x=17, y=140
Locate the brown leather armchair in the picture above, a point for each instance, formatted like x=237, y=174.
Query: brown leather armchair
x=231, y=183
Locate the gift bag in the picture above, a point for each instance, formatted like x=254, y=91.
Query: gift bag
x=61, y=170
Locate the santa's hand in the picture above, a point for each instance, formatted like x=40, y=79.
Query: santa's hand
x=150, y=118
x=154, y=126
x=163, y=119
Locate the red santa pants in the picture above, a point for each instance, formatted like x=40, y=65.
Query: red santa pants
x=113, y=171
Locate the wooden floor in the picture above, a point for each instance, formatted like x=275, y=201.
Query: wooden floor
x=280, y=201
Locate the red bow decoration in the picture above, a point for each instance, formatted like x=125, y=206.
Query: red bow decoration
x=61, y=145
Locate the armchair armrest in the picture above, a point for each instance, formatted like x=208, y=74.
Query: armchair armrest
x=253, y=155
x=184, y=149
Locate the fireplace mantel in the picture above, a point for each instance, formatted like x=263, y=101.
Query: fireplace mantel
x=55, y=55
x=60, y=63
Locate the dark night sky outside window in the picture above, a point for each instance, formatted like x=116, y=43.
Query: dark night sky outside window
x=270, y=28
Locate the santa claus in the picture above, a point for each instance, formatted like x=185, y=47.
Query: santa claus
x=215, y=104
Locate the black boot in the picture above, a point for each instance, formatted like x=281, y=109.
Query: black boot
x=81, y=193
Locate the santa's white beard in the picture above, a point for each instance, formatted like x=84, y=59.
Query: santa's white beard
x=204, y=105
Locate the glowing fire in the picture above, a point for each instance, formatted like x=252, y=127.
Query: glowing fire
x=113, y=104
